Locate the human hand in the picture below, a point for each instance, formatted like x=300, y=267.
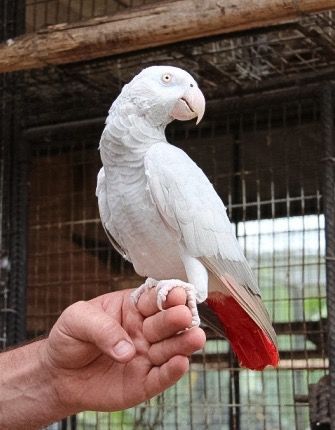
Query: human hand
x=89, y=370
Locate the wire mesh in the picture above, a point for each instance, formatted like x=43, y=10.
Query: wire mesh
x=4, y=228
x=42, y=13
x=262, y=155
x=327, y=104
x=293, y=55
x=274, y=198
x=69, y=258
x=251, y=61
x=11, y=306
x=264, y=162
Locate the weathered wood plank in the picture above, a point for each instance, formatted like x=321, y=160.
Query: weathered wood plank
x=149, y=26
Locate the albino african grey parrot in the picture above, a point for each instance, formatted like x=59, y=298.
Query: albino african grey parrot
x=161, y=213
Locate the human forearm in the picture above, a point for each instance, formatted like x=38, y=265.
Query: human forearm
x=28, y=398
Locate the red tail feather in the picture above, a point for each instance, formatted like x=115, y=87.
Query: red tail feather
x=251, y=345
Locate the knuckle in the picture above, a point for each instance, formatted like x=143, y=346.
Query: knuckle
x=109, y=328
x=179, y=316
x=199, y=339
x=77, y=308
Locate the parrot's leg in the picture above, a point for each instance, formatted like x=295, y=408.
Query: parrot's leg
x=163, y=288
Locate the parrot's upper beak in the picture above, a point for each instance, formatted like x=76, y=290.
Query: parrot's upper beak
x=190, y=105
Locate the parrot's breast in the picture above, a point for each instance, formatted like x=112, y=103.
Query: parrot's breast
x=151, y=245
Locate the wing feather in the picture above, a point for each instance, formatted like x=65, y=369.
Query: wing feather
x=189, y=204
x=105, y=214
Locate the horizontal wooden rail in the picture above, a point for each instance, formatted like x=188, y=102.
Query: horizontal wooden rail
x=153, y=25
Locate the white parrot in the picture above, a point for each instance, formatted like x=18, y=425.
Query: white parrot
x=162, y=214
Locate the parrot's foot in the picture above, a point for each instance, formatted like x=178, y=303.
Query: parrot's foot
x=163, y=288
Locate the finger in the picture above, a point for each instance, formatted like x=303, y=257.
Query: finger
x=185, y=343
x=162, y=377
x=176, y=297
x=167, y=323
x=147, y=303
x=88, y=323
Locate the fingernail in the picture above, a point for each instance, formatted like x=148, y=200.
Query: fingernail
x=123, y=348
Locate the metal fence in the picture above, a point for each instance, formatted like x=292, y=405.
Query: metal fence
x=265, y=161
x=12, y=193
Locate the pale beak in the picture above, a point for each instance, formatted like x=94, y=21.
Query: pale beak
x=190, y=105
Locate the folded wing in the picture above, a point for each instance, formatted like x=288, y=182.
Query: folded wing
x=189, y=205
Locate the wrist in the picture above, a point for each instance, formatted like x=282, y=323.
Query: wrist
x=28, y=394
x=59, y=384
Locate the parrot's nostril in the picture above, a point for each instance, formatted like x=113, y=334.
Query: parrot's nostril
x=191, y=85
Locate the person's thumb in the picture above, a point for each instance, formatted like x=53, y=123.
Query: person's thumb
x=85, y=322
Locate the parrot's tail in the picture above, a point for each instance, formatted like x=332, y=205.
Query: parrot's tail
x=255, y=347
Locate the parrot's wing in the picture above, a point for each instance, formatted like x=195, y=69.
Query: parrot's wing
x=188, y=203
x=105, y=214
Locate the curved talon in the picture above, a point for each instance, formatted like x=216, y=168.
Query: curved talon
x=161, y=298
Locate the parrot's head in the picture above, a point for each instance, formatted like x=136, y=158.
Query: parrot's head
x=164, y=93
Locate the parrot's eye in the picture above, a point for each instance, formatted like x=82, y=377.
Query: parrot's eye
x=166, y=77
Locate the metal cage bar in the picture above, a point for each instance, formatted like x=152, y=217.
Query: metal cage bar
x=327, y=117
x=13, y=191
x=18, y=236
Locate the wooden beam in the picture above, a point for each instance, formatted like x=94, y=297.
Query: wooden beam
x=153, y=25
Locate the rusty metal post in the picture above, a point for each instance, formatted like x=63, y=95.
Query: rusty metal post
x=327, y=121
x=13, y=191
